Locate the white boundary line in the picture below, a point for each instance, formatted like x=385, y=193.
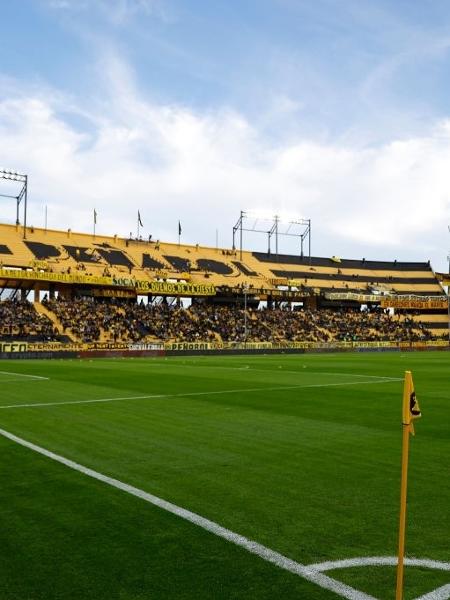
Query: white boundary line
x=271, y=556
x=380, y=561
x=442, y=593
x=32, y=377
x=182, y=395
x=21, y=380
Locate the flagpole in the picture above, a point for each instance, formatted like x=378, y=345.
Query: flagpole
x=137, y=237
x=95, y=220
x=407, y=429
x=402, y=525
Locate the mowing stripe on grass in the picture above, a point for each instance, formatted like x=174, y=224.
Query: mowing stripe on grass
x=184, y=394
x=271, y=556
x=199, y=365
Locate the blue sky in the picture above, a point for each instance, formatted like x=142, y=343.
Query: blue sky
x=337, y=110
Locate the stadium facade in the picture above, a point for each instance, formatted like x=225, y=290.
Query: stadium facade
x=320, y=303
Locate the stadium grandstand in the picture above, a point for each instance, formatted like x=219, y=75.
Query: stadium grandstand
x=62, y=287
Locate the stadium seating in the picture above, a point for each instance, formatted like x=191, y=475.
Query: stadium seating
x=260, y=275
x=19, y=320
x=90, y=321
x=142, y=259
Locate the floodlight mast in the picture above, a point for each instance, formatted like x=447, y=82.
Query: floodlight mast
x=22, y=195
x=274, y=230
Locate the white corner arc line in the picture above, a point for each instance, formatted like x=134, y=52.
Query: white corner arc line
x=442, y=593
x=182, y=395
x=24, y=375
x=380, y=561
x=271, y=556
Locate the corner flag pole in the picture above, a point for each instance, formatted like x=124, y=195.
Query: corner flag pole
x=402, y=526
x=411, y=411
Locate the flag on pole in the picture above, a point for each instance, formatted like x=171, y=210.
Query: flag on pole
x=139, y=219
x=179, y=228
x=410, y=412
x=411, y=409
x=95, y=217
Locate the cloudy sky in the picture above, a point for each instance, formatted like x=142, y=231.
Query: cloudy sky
x=193, y=110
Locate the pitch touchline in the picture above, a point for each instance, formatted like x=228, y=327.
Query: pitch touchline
x=38, y=377
x=2, y=381
x=184, y=394
x=267, y=554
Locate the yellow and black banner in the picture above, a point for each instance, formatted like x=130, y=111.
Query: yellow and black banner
x=7, y=347
x=143, y=286
x=22, y=274
x=55, y=347
x=165, y=288
x=438, y=303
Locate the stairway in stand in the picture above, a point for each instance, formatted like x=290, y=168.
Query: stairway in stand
x=42, y=310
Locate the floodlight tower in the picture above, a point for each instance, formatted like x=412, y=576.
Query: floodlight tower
x=302, y=226
x=22, y=195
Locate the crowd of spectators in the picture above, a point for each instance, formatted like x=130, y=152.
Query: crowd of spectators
x=86, y=320
x=364, y=325
x=323, y=325
x=168, y=322
x=90, y=320
x=19, y=320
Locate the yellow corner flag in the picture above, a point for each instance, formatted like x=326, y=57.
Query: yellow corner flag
x=411, y=411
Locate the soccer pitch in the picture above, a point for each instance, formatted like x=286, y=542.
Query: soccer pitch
x=221, y=477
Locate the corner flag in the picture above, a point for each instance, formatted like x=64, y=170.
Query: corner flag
x=410, y=412
x=411, y=409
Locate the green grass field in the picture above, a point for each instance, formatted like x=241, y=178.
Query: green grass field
x=300, y=453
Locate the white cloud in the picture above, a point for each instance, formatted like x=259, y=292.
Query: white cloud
x=172, y=163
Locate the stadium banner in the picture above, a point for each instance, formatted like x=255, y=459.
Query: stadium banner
x=8, y=347
x=92, y=346
x=157, y=288
x=353, y=296
x=21, y=274
x=54, y=347
x=130, y=348
x=182, y=346
x=165, y=288
x=398, y=301
x=414, y=302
